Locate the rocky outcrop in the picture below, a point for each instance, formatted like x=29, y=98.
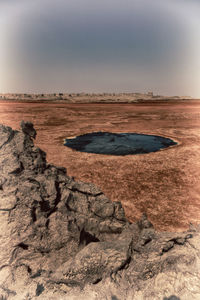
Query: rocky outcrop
x=62, y=239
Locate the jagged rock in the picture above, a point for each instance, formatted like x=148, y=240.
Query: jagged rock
x=95, y=261
x=62, y=239
x=27, y=128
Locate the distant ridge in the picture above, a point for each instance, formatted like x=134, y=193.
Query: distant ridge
x=91, y=97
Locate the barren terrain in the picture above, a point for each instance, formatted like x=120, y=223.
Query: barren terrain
x=165, y=184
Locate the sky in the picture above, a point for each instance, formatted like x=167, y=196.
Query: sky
x=49, y=46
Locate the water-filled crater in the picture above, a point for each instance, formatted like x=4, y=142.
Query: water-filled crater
x=118, y=143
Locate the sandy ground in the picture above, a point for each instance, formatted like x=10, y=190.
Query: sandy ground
x=165, y=185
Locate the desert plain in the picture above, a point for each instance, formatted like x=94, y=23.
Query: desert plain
x=165, y=185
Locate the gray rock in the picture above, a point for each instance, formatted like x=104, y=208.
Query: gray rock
x=102, y=207
x=95, y=261
x=27, y=128
x=87, y=188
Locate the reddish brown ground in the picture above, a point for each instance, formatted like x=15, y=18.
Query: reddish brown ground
x=165, y=184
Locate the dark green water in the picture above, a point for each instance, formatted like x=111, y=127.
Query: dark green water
x=118, y=143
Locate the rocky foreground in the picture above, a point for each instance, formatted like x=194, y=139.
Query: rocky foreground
x=62, y=239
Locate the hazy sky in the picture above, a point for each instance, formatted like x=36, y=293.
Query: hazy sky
x=100, y=45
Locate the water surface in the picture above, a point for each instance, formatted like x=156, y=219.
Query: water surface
x=118, y=143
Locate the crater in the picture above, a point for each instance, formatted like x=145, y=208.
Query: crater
x=118, y=143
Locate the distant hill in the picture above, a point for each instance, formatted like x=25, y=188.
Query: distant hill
x=91, y=97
